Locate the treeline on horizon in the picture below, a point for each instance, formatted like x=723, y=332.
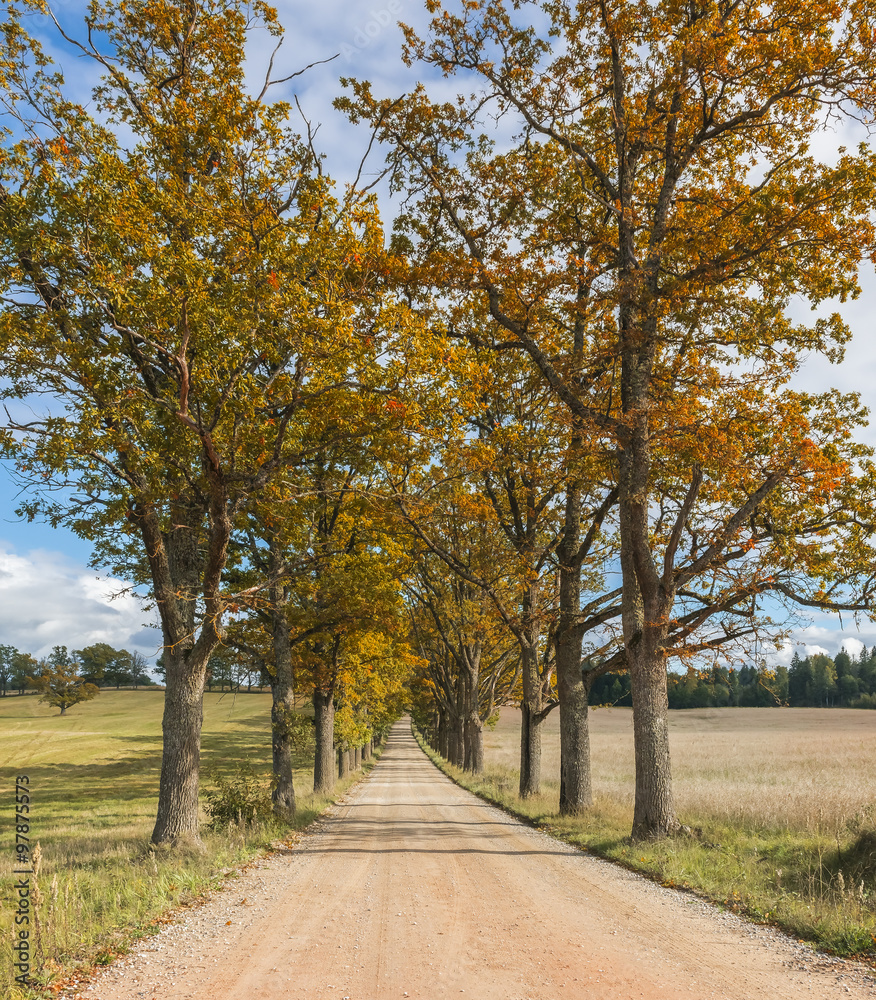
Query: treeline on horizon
x=107, y=667
x=816, y=681
x=99, y=664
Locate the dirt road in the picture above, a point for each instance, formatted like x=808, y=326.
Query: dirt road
x=414, y=888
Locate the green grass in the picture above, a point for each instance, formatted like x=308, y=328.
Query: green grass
x=814, y=878
x=94, y=780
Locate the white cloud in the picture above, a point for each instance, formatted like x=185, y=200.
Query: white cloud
x=818, y=639
x=48, y=599
x=852, y=645
x=814, y=650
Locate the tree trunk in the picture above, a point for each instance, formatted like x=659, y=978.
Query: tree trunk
x=576, y=794
x=457, y=756
x=474, y=730
x=177, y=817
x=530, y=751
x=182, y=571
x=443, y=747
x=532, y=704
x=474, y=727
x=343, y=762
x=282, y=707
x=324, y=761
x=654, y=814
x=647, y=597
x=456, y=743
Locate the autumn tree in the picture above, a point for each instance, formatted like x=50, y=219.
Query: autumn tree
x=456, y=599
x=61, y=685
x=540, y=501
x=350, y=595
x=182, y=284
x=297, y=537
x=639, y=239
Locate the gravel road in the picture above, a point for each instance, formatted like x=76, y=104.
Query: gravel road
x=412, y=887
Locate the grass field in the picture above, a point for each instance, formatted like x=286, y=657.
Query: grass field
x=805, y=768
x=782, y=803
x=94, y=780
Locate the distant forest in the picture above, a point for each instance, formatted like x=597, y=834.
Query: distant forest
x=815, y=682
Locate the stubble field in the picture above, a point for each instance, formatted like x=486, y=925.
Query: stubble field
x=808, y=769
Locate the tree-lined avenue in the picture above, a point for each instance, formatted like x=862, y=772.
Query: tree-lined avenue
x=413, y=887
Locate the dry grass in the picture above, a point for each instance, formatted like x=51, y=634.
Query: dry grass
x=808, y=769
x=782, y=801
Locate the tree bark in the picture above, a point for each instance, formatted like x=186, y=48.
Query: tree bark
x=443, y=733
x=457, y=757
x=474, y=727
x=177, y=816
x=179, y=572
x=474, y=744
x=324, y=760
x=654, y=813
x=576, y=793
x=282, y=707
x=647, y=594
x=456, y=743
x=532, y=704
x=530, y=751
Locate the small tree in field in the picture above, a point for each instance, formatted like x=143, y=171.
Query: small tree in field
x=60, y=685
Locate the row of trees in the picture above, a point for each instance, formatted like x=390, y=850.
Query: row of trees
x=551, y=409
x=207, y=320
x=611, y=279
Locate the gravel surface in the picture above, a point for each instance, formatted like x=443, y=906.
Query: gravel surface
x=412, y=887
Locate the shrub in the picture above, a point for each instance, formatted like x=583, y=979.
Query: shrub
x=242, y=798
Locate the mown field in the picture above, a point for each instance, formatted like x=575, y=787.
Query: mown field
x=94, y=779
x=781, y=804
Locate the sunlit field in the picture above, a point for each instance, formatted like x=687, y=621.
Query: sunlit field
x=806, y=768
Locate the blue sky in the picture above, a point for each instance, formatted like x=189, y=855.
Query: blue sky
x=49, y=596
